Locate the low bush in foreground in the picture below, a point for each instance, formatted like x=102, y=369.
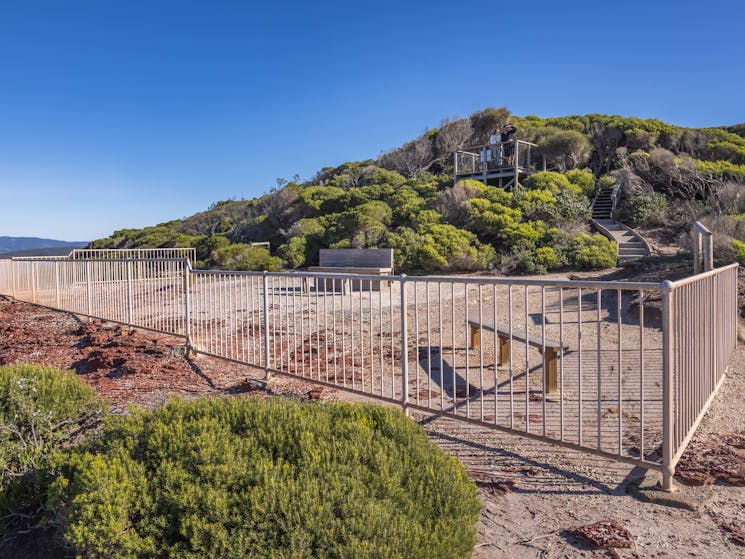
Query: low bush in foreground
x=42, y=410
x=245, y=478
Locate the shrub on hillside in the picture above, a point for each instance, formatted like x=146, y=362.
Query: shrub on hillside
x=591, y=252
x=294, y=252
x=570, y=207
x=534, y=261
x=236, y=478
x=241, y=256
x=642, y=209
x=41, y=411
x=553, y=181
x=583, y=178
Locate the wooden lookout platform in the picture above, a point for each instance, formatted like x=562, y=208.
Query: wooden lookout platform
x=500, y=164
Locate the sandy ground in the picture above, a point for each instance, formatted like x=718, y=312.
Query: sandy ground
x=532, y=492
x=554, y=489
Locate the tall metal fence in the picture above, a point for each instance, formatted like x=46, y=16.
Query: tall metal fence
x=129, y=253
x=620, y=369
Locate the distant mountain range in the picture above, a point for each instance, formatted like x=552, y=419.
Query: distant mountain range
x=24, y=244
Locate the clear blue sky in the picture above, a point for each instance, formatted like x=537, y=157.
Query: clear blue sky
x=125, y=113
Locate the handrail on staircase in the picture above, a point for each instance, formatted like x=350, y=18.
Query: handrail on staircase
x=614, y=198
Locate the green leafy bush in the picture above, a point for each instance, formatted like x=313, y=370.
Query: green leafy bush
x=240, y=256
x=553, y=181
x=41, y=411
x=235, y=478
x=583, y=178
x=591, y=252
x=324, y=199
x=294, y=252
x=539, y=260
x=606, y=181
x=642, y=209
x=569, y=207
x=739, y=251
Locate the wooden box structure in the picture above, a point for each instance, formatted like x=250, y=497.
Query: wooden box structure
x=354, y=261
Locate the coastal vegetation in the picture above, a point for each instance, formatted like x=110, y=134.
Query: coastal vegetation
x=406, y=200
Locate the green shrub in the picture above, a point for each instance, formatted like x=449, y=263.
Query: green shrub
x=539, y=260
x=526, y=234
x=583, y=178
x=41, y=411
x=294, y=252
x=642, y=209
x=739, y=251
x=235, y=478
x=445, y=247
x=591, y=252
x=569, y=207
x=242, y=256
x=551, y=180
x=606, y=181
x=324, y=199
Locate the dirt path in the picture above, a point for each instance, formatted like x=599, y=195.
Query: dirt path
x=532, y=491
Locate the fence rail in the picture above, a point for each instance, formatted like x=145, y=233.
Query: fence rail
x=624, y=370
x=133, y=253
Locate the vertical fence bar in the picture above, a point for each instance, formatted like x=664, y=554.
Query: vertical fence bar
x=33, y=282
x=56, y=284
x=88, y=289
x=265, y=279
x=187, y=307
x=668, y=425
x=129, y=293
x=404, y=348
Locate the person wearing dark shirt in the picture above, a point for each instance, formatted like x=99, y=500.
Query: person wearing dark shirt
x=509, y=147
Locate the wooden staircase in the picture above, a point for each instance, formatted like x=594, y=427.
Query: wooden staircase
x=631, y=246
x=602, y=208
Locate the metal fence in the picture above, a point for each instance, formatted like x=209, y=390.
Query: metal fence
x=484, y=159
x=132, y=253
x=624, y=370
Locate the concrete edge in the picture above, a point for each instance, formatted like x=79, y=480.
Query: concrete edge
x=649, y=490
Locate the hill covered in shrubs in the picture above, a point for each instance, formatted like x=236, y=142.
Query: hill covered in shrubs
x=406, y=199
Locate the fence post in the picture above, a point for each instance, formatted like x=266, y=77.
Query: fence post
x=33, y=281
x=668, y=394
x=703, y=249
x=708, y=252
x=404, y=349
x=129, y=294
x=187, y=307
x=265, y=277
x=88, y=289
x=13, y=273
x=56, y=284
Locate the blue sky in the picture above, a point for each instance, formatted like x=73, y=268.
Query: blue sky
x=119, y=114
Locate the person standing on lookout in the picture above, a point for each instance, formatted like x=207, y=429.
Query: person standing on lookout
x=509, y=145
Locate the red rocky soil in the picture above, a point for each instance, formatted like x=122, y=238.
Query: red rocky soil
x=143, y=368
